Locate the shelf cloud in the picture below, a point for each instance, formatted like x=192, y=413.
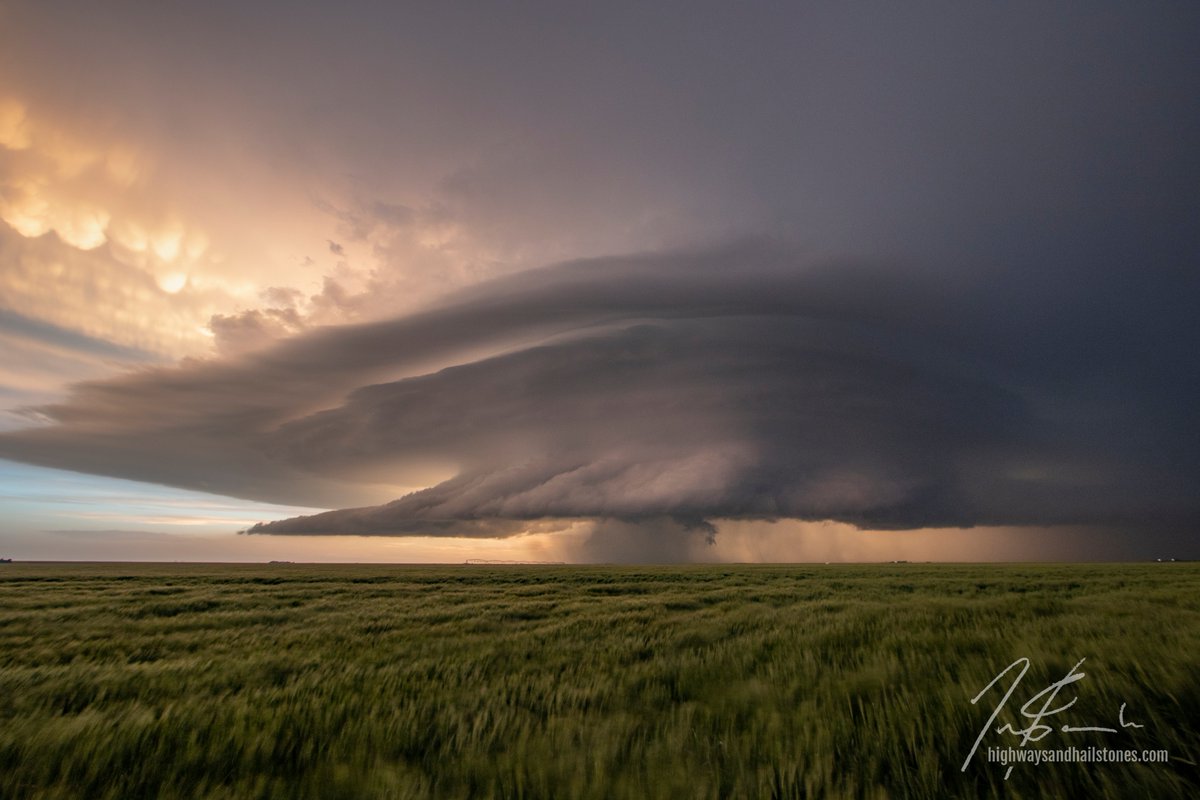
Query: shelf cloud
x=732, y=382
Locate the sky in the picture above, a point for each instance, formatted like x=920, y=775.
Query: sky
x=694, y=281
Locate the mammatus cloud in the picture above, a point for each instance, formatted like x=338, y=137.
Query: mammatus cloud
x=153, y=217
x=741, y=382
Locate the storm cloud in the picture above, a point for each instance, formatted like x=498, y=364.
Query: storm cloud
x=898, y=267
x=743, y=381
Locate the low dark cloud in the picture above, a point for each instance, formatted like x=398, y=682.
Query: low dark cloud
x=651, y=540
x=744, y=381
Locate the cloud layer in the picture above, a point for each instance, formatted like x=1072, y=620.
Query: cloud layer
x=736, y=382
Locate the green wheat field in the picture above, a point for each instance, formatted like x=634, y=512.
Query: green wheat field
x=353, y=681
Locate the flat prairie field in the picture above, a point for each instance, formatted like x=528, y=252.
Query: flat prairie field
x=354, y=681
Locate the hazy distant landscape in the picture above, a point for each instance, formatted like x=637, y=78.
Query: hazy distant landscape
x=337, y=681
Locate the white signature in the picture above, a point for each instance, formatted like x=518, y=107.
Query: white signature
x=1037, y=728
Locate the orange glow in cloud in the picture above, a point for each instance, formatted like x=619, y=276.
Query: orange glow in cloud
x=14, y=129
x=173, y=282
x=177, y=235
x=148, y=247
x=122, y=266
